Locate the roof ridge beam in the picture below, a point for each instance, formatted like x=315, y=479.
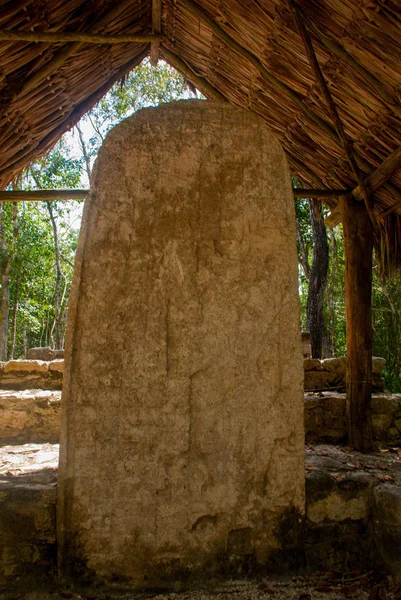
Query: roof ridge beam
x=156, y=29
x=201, y=82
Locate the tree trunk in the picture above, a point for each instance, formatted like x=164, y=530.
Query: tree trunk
x=58, y=277
x=14, y=324
x=358, y=249
x=317, y=280
x=331, y=291
x=5, y=289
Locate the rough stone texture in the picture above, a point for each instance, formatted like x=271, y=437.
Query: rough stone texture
x=387, y=524
x=29, y=416
x=325, y=419
x=182, y=432
x=329, y=374
x=27, y=513
x=45, y=353
x=31, y=374
x=347, y=526
x=352, y=521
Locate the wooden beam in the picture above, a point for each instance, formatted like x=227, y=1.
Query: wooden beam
x=373, y=182
x=156, y=29
x=266, y=74
x=86, y=38
x=60, y=58
x=358, y=249
x=318, y=193
x=381, y=175
x=200, y=82
x=346, y=142
x=76, y=114
x=42, y=195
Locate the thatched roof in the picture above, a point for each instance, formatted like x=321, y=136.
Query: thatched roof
x=249, y=52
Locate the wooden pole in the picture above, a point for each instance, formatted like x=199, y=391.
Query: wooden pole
x=61, y=57
x=358, y=249
x=156, y=29
x=200, y=82
x=346, y=142
x=72, y=37
x=317, y=193
x=42, y=195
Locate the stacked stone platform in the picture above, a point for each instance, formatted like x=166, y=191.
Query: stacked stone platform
x=353, y=501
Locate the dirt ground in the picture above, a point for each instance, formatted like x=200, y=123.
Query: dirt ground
x=320, y=586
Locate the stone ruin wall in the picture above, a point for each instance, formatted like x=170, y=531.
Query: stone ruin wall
x=182, y=448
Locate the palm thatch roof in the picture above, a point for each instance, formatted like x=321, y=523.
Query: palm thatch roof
x=252, y=53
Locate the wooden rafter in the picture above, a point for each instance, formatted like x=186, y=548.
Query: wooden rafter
x=337, y=49
x=42, y=195
x=200, y=82
x=60, y=58
x=373, y=182
x=318, y=193
x=68, y=37
x=277, y=83
x=346, y=142
x=156, y=29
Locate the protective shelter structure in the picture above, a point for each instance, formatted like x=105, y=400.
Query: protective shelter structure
x=324, y=75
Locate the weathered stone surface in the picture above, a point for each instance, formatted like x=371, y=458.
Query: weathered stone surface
x=29, y=416
x=45, y=353
x=335, y=365
x=188, y=436
x=32, y=374
x=321, y=380
x=387, y=524
x=311, y=364
x=27, y=514
x=378, y=365
x=325, y=419
x=341, y=486
x=329, y=374
x=38, y=367
x=57, y=366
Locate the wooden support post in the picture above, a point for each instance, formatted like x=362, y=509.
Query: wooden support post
x=358, y=248
x=156, y=29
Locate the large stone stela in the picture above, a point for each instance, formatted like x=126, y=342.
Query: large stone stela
x=182, y=421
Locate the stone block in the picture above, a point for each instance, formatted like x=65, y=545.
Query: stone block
x=385, y=404
x=387, y=527
x=57, y=366
x=183, y=392
x=29, y=416
x=321, y=380
x=378, y=365
x=27, y=533
x=45, y=353
x=312, y=364
x=29, y=367
x=335, y=365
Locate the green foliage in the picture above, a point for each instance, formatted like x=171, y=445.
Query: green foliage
x=28, y=249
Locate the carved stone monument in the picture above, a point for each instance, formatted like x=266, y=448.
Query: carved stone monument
x=182, y=451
